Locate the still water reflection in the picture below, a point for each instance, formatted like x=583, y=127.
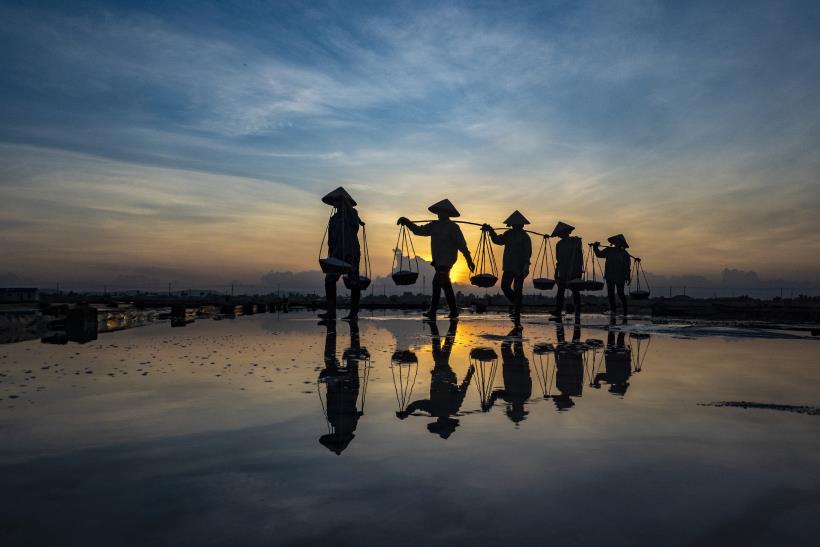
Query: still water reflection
x=275, y=430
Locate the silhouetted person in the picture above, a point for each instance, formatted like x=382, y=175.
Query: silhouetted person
x=446, y=395
x=342, y=394
x=516, y=263
x=569, y=368
x=569, y=265
x=446, y=240
x=343, y=243
x=517, y=390
x=617, y=269
x=618, y=362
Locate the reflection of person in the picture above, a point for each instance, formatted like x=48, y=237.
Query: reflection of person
x=446, y=395
x=617, y=269
x=446, y=240
x=517, y=255
x=342, y=393
x=569, y=266
x=618, y=361
x=517, y=380
x=343, y=244
x=569, y=368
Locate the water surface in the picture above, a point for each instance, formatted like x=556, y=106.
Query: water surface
x=269, y=430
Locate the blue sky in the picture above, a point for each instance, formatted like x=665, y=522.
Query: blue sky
x=196, y=138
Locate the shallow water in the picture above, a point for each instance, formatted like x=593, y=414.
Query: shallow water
x=268, y=430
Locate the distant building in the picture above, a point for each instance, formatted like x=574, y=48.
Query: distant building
x=18, y=295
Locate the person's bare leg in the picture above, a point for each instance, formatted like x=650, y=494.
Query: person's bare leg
x=576, y=301
x=559, y=299
x=450, y=295
x=330, y=297
x=436, y=296
x=622, y=296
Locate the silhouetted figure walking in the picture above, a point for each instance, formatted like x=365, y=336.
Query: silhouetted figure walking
x=342, y=395
x=618, y=362
x=446, y=240
x=446, y=395
x=343, y=243
x=516, y=263
x=515, y=368
x=569, y=368
x=569, y=265
x=617, y=269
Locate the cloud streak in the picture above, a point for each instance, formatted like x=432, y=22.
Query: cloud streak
x=149, y=134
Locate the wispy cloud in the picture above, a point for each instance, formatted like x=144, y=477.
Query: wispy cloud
x=693, y=128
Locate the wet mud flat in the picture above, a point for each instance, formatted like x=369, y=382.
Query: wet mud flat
x=275, y=430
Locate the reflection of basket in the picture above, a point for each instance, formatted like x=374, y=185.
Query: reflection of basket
x=405, y=277
x=543, y=349
x=639, y=335
x=334, y=266
x=594, y=285
x=364, y=282
x=484, y=280
x=577, y=284
x=543, y=283
x=404, y=357
x=639, y=294
x=483, y=354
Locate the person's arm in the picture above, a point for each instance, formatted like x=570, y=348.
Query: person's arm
x=600, y=253
x=425, y=230
x=461, y=245
x=497, y=239
x=628, y=269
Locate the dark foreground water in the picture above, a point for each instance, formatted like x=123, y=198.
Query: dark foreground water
x=270, y=430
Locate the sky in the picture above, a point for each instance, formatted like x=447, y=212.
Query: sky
x=150, y=142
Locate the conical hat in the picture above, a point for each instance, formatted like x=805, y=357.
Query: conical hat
x=619, y=240
x=337, y=196
x=516, y=219
x=562, y=228
x=444, y=207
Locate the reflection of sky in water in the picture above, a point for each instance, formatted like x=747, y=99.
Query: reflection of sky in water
x=210, y=434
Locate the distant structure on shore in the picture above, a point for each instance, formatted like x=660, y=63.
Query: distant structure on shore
x=22, y=295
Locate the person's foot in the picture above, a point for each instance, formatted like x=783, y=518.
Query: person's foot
x=351, y=317
x=327, y=315
x=430, y=314
x=327, y=322
x=555, y=313
x=453, y=314
x=510, y=310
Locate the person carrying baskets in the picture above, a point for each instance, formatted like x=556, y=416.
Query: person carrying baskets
x=343, y=245
x=569, y=267
x=516, y=263
x=446, y=240
x=617, y=269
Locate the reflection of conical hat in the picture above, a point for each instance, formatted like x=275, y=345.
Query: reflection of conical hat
x=619, y=240
x=336, y=442
x=337, y=196
x=444, y=207
x=562, y=228
x=516, y=219
x=443, y=427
